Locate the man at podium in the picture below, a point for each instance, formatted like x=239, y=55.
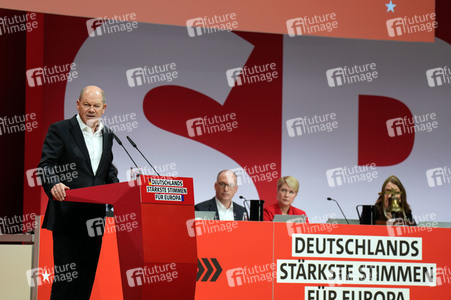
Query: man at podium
x=79, y=146
x=225, y=187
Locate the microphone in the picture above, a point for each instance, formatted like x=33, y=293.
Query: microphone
x=248, y=205
x=330, y=199
x=134, y=145
x=120, y=143
x=244, y=201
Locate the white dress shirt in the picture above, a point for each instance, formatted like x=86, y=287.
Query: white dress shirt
x=225, y=214
x=93, y=142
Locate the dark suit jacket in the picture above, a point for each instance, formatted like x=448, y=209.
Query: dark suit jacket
x=210, y=205
x=64, y=151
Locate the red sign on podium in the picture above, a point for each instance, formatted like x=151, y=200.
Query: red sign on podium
x=167, y=190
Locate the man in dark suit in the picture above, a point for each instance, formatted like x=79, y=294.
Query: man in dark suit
x=225, y=187
x=76, y=154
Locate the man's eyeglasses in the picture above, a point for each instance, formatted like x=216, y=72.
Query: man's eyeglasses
x=223, y=185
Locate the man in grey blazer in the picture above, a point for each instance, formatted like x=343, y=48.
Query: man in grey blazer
x=82, y=147
x=225, y=187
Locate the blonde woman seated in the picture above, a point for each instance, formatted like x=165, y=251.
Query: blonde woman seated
x=287, y=190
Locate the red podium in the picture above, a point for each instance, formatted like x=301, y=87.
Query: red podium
x=158, y=258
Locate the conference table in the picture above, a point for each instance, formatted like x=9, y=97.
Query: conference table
x=156, y=248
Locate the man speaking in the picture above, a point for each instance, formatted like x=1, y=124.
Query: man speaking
x=84, y=144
